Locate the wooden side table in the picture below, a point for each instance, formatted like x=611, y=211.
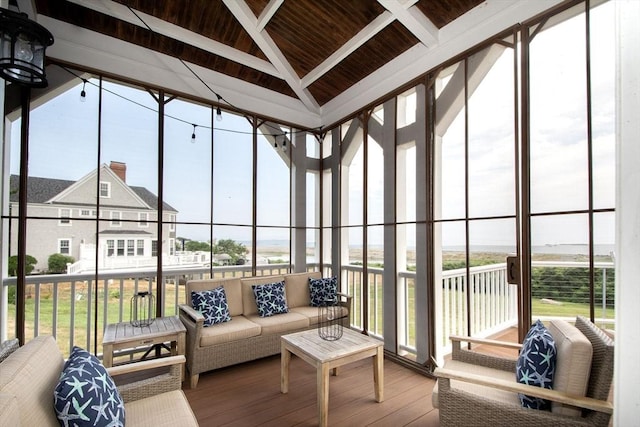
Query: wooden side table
x=327, y=356
x=118, y=336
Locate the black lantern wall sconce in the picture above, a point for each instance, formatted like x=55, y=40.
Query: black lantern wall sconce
x=22, y=49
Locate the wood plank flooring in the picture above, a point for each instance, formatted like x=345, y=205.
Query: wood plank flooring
x=249, y=395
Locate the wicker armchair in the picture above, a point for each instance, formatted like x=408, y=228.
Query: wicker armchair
x=482, y=390
x=148, y=378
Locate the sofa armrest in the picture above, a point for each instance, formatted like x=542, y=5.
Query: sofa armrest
x=345, y=300
x=193, y=321
x=148, y=378
x=513, y=386
x=192, y=314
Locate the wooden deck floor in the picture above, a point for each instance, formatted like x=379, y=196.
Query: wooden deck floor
x=249, y=395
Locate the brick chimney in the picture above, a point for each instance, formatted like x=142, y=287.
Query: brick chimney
x=120, y=169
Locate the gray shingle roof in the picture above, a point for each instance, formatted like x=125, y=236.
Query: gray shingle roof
x=39, y=190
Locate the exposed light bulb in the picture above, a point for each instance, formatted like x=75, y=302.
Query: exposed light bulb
x=83, y=94
x=284, y=145
x=23, y=49
x=193, y=135
x=218, y=114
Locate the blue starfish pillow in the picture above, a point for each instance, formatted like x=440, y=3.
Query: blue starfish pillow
x=86, y=394
x=323, y=290
x=536, y=364
x=270, y=299
x=212, y=304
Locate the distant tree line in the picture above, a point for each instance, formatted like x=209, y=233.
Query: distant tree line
x=237, y=251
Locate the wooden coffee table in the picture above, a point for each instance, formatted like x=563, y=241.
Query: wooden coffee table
x=326, y=356
x=118, y=336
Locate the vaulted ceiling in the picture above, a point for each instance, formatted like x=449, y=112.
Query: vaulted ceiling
x=309, y=62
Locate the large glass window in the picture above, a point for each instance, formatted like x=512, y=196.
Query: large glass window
x=475, y=193
x=572, y=165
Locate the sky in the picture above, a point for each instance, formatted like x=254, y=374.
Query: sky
x=64, y=139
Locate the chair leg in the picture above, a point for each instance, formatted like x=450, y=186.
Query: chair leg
x=193, y=380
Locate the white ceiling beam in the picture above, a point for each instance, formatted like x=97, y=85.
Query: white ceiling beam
x=485, y=20
x=167, y=29
x=348, y=48
x=414, y=20
x=268, y=12
x=249, y=22
x=76, y=45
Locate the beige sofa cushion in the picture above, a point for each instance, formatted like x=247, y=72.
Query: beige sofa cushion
x=232, y=289
x=238, y=328
x=313, y=313
x=280, y=323
x=573, y=364
x=249, y=298
x=30, y=374
x=296, y=286
x=163, y=410
x=9, y=410
x=488, y=392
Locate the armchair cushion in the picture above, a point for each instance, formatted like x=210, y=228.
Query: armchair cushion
x=536, y=364
x=573, y=364
x=212, y=304
x=86, y=394
x=502, y=396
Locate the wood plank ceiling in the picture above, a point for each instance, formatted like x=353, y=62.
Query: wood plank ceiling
x=310, y=50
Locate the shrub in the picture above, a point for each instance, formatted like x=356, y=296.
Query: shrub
x=13, y=264
x=58, y=263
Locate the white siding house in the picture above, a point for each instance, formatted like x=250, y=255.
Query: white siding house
x=67, y=217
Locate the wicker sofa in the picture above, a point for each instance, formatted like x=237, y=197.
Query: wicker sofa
x=247, y=336
x=29, y=376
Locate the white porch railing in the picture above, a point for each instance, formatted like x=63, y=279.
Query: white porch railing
x=493, y=303
x=65, y=305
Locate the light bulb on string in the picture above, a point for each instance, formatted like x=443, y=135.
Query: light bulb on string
x=218, y=114
x=193, y=135
x=83, y=94
x=284, y=142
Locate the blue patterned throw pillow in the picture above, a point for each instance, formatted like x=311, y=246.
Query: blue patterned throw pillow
x=270, y=299
x=212, y=304
x=536, y=364
x=322, y=290
x=86, y=394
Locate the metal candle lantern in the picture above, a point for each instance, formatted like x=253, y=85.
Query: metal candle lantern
x=330, y=315
x=142, y=309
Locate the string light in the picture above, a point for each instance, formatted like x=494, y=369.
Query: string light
x=193, y=135
x=83, y=94
x=218, y=114
x=218, y=96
